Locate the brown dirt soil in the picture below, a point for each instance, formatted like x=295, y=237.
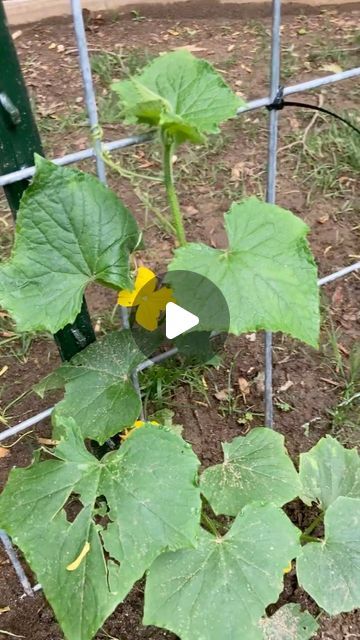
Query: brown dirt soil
x=237, y=42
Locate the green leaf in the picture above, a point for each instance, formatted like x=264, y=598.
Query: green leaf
x=328, y=471
x=71, y=230
x=256, y=467
x=153, y=506
x=267, y=274
x=330, y=570
x=221, y=588
x=99, y=393
x=180, y=94
x=289, y=623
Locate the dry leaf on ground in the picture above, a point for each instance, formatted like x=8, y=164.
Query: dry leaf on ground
x=244, y=387
x=222, y=395
x=48, y=442
x=286, y=386
x=193, y=48
x=260, y=383
x=332, y=68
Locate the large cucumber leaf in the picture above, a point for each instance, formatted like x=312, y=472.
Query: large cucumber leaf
x=289, y=623
x=256, y=467
x=328, y=471
x=99, y=393
x=180, y=94
x=267, y=273
x=221, y=588
x=71, y=230
x=88, y=566
x=329, y=570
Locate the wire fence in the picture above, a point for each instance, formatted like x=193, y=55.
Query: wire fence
x=96, y=152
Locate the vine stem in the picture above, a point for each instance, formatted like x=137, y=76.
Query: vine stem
x=143, y=197
x=314, y=524
x=126, y=173
x=209, y=524
x=306, y=538
x=168, y=149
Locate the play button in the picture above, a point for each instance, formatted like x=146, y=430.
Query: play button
x=178, y=320
x=180, y=309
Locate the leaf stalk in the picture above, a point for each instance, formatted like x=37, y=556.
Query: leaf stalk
x=306, y=538
x=168, y=151
x=312, y=526
x=209, y=524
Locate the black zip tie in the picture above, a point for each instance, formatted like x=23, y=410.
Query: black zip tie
x=279, y=103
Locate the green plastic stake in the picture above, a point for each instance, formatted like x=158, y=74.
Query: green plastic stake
x=19, y=140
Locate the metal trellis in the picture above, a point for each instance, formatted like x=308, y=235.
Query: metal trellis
x=26, y=172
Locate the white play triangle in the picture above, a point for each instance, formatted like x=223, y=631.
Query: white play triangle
x=178, y=320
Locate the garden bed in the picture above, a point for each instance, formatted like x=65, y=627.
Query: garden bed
x=318, y=180
x=29, y=11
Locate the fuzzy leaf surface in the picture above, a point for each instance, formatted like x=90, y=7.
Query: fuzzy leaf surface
x=267, y=274
x=256, y=467
x=330, y=570
x=289, y=623
x=71, y=230
x=180, y=94
x=153, y=506
x=220, y=589
x=328, y=471
x=99, y=393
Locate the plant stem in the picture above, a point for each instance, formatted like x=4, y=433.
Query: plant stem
x=209, y=524
x=168, y=148
x=305, y=538
x=126, y=173
x=132, y=176
x=318, y=520
x=144, y=198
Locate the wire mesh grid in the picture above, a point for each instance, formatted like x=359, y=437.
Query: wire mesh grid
x=96, y=152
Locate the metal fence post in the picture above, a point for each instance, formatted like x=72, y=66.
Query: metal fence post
x=19, y=140
x=271, y=181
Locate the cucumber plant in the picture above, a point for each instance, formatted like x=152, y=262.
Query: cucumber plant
x=214, y=545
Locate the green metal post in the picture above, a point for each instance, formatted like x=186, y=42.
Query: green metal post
x=19, y=140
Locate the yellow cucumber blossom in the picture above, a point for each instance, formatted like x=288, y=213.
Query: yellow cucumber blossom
x=137, y=425
x=288, y=568
x=148, y=300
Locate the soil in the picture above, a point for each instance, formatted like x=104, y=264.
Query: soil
x=237, y=41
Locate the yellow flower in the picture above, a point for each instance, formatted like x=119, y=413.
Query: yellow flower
x=137, y=424
x=149, y=301
x=288, y=568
